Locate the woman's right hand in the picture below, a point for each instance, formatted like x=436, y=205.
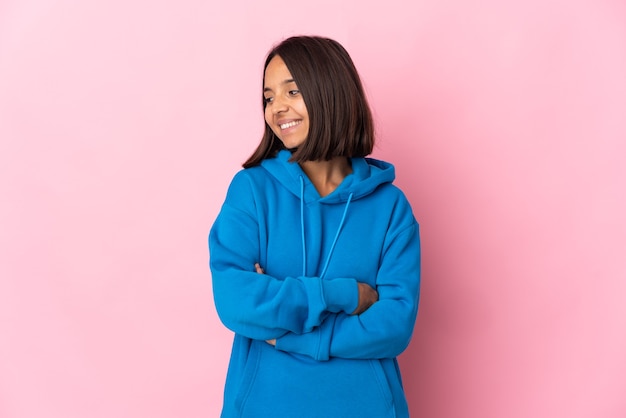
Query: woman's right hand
x=367, y=294
x=367, y=297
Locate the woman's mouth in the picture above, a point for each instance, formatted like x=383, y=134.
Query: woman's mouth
x=288, y=125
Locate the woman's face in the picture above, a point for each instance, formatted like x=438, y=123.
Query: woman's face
x=285, y=111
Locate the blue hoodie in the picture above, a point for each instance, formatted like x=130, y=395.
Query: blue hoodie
x=314, y=250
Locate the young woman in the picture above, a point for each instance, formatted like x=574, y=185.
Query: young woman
x=315, y=255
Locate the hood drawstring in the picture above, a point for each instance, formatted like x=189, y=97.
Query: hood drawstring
x=302, y=226
x=332, y=247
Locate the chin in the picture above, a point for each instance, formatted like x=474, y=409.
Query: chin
x=291, y=146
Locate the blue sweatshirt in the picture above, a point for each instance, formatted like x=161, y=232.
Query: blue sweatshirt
x=314, y=250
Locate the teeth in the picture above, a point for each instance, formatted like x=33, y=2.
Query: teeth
x=289, y=124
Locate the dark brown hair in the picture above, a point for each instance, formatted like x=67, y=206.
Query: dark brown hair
x=340, y=120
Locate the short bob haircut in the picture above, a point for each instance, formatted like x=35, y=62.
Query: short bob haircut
x=340, y=119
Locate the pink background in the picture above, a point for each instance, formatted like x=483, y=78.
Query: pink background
x=122, y=123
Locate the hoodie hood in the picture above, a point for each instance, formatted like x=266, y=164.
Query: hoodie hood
x=367, y=175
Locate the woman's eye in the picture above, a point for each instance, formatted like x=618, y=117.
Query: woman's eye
x=294, y=92
x=268, y=99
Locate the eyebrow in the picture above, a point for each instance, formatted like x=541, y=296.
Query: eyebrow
x=289, y=80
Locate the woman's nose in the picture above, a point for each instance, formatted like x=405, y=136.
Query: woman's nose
x=279, y=106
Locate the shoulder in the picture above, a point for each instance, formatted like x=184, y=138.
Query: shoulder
x=248, y=178
x=242, y=189
x=390, y=194
x=390, y=199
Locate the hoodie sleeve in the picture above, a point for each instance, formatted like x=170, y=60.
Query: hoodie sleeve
x=385, y=329
x=260, y=306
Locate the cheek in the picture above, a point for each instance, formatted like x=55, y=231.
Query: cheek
x=268, y=121
x=302, y=110
x=267, y=115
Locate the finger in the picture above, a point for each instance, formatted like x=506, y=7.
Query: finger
x=258, y=268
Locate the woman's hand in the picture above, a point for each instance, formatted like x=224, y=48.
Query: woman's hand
x=258, y=268
x=367, y=297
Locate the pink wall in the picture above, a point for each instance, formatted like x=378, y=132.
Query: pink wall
x=122, y=122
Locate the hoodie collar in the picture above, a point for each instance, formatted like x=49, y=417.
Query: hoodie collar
x=367, y=175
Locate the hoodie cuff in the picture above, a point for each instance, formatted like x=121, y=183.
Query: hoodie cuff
x=306, y=344
x=340, y=295
x=315, y=344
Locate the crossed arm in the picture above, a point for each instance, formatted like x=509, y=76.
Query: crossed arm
x=367, y=296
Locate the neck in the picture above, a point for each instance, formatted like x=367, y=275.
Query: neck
x=326, y=176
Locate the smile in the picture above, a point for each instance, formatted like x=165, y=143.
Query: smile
x=290, y=124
